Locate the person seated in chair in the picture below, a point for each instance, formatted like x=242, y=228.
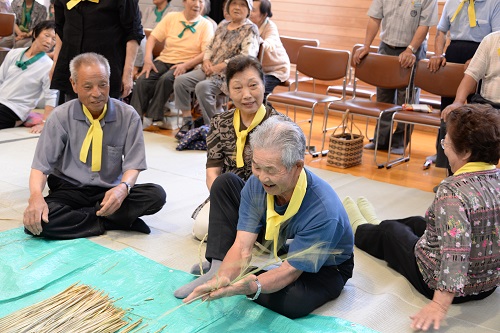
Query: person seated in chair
x=232, y=38
x=452, y=255
x=275, y=61
x=186, y=35
x=90, y=154
x=285, y=201
x=24, y=78
x=29, y=13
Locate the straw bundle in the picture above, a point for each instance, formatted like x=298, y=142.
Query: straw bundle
x=79, y=308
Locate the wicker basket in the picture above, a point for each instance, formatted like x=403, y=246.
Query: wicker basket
x=345, y=149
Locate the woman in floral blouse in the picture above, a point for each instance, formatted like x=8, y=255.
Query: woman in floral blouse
x=239, y=36
x=453, y=254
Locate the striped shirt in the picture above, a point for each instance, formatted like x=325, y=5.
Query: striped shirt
x=401, y=18
x=485, y=65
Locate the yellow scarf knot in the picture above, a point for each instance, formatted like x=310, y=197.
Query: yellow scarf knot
x=94, y=136
x=474, y=166
x=275, y=220
x=471, y=11
x=72, y=3
x=242, y=136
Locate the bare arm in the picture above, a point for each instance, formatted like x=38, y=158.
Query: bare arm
x=211, y=174
x=114, y=197
x=37, y=210
x=371, y=32
x=237, y=257
x=407, y=58
x=467, y=86
x=188, y=65
x=438, y=59
x=434, y=312
x=128, y=67
x=55, y=55
x=38, y=128
x=148, y=57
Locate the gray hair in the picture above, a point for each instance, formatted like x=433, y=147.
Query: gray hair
x=281, y=135
x=89, y=58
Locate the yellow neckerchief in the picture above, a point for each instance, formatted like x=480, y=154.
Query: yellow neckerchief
x=242, y=136
x=274, y=220
x=471, y=11
x=94, y=136
x=73, y=3
x=474, y=166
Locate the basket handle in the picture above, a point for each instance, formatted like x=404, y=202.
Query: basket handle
x=344, y=124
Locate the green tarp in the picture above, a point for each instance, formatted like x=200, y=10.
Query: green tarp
x=33, y=269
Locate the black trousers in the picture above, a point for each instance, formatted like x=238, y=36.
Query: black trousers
x=8, y=118
x=394, y=241
x=308, y=292
x=459, y=52
x=72, y=209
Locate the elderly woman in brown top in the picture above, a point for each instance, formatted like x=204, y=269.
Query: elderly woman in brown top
x=227, y=145
x=275, y=62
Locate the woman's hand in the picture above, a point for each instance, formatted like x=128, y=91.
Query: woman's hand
x=207, y=67
x=36, y=129
x=432, y=313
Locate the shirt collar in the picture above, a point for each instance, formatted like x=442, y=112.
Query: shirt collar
x=79, y=115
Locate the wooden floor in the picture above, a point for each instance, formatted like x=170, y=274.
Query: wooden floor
x=409, y=174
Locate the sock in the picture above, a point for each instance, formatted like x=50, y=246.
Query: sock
x=187, y=289
x=355, y=216
x=195, y=270
x=367, y=210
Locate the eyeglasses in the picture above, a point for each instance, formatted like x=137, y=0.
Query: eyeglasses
x=443, y=143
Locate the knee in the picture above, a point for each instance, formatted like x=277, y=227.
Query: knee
x=159, y=194
x=180, y=83
x=202, y=88
x=226, y=181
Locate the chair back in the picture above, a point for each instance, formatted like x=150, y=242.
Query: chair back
x=443, y=83
x=292, y=46
x=383, y=71
x=323, y=64
x=158, y=46
x=7, y=21
x=260, y=55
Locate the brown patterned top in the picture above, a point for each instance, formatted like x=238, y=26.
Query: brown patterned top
x=221, y=143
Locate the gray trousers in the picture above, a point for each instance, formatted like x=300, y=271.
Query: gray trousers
x=396, y=96
x=150, y=94
x=206, y=91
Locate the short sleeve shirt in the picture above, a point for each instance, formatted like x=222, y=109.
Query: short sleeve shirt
x=58, y=149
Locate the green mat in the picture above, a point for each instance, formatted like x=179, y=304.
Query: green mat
x=32, y=270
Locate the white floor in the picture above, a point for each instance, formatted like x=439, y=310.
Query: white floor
x=376, y=297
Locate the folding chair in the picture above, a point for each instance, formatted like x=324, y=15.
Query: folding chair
x=158, y=45
x=316, y=63
x=292, y=46
x=363, y=92
x=443, y=83
x=378, y=70
x=7, y=23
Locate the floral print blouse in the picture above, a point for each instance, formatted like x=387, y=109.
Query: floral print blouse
x=460, y=249
x=227, y=44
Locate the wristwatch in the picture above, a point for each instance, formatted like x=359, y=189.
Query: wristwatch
x=412, y=49
x=257, y=294
x=128, y=186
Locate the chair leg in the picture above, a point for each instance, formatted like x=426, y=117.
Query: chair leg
x=325, y=120
x=310, y=150
x=389, y=164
